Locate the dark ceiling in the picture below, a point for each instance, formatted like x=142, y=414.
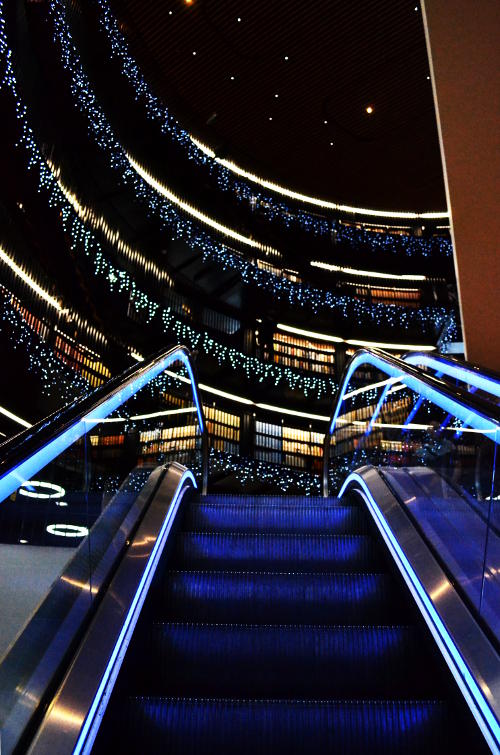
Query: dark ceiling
x=219, y=65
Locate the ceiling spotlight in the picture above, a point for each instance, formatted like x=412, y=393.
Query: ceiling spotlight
x=286, y=57
x=194, y=52
x=270, y=117
x=232, y=78
x=276, y=95
x=369, y=109
x=325, y=122
x=331, y=144
x=170, y=12
x=428, y=78
x=238, y=19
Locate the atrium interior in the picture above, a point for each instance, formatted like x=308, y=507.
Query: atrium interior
x=249, y=404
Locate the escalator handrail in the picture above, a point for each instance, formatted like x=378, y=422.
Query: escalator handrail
x=479, y=377
x=45, y=440
x=476, y=412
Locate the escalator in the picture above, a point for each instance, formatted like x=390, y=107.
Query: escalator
x=279, y=625
x=364, y=621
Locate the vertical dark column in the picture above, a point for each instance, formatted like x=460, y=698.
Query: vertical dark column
x=463, y=47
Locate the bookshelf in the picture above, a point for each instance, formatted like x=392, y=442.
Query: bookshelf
x=303, y=354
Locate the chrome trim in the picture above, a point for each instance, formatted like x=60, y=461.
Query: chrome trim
x=68, y=714
x=484, y=411
x=472, y=646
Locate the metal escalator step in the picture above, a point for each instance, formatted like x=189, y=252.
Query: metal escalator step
x=281, y=501
x=276, y=551
x=260, y=517
x=198, y=726
x=285, y=661
x=272, y=597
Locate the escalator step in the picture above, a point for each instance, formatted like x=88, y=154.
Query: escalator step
x=285, y=661
x=271, y=597
x=299, y=519
x=281, y=501
x=192, y=725
x=274, y=551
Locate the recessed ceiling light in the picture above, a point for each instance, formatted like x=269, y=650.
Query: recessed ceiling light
x=369, y=109
x=276, y=95
x=238, y=19
x=270, y=117
x=170, y=12
x=286, y=57
x=232, y=78
x=428, y=78
x=194, y=52
x=331, y=144
x=325, y=122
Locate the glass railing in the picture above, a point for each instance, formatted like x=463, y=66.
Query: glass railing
x=72, y=488
x=436, y=445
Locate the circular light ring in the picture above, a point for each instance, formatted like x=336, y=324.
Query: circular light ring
x=59, y=491
x=67, y=530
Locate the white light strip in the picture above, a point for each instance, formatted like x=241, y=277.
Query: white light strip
x=99, y=223
x=308, y=199
x=281, y=410
x=393, y=346
x=352, y=341
x=14, y=417
x=152, y=415
x=167, y=413
x=308, y=333
x=190, y=210
x=224, y=394
x=366, y=273
x=29, y=281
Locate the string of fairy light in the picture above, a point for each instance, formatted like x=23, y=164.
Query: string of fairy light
x=269, y=207
x=120, y=281
x=295, y=293
x=41, y=356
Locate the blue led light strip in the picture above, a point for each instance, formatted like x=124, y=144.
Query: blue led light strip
x=460, y=372
x=92, y=722
x=473, y=694
x=417, y=406
x=469, y=416
x=26, y=469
